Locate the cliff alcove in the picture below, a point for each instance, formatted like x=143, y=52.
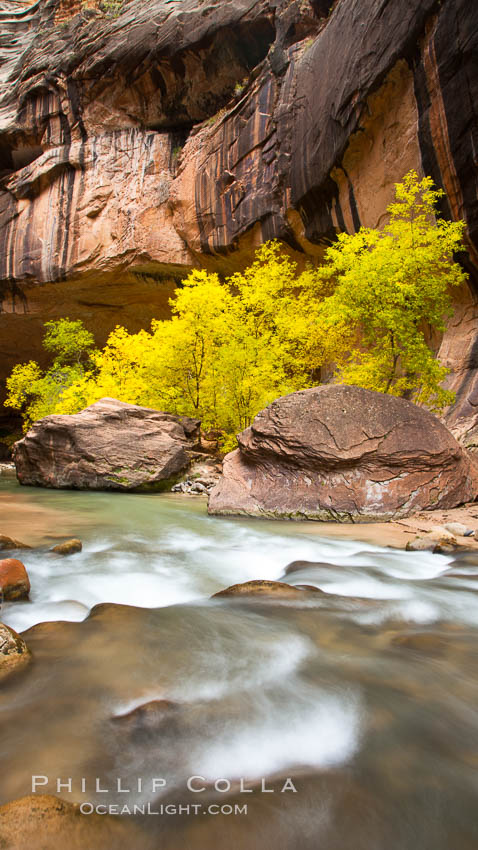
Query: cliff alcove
x=169, y=134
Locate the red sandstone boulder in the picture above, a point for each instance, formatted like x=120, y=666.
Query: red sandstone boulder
x=347, y=454
x=110, y=445
x=14, y=581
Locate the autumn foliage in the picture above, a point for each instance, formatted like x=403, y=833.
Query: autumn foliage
x=232, y=346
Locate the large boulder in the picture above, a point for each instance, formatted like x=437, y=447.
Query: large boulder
x=343, y=453
x=110, y=445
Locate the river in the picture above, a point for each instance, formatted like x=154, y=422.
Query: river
x=364, y=698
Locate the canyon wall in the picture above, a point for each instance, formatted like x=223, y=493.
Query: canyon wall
x=138, y=140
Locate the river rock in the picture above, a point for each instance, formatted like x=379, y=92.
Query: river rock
x=42, y=821
x=149, y=717
x=110, y=445
x=261, y=587
x=299, y=566
x=14, y=581
x=14, y=652
x=69, y=547
x=347, y=454
x=10, y=543
x=421, y=543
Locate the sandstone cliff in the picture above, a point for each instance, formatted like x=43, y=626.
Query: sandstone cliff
x=181, y=132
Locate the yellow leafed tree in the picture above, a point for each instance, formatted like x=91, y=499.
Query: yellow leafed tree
x=232, y=346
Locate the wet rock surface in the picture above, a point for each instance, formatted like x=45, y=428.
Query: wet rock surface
x=14, y=581
x=108, y=446
x=7, y=543
x=14, y=653
x=45, y=821
x=344, y=453
x=69, y=547
x=260, y=587
x=402, y=693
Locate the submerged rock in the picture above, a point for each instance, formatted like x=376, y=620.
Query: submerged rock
x=299, y=566
x=427, y=642
x=456, y=573
x=261, y=587
x=44, y=821
x=7, y=543
x=14, y=652
x=69, y=547
x=14, y=581
x=110, y=445
x=347, y=454
x=149, y=717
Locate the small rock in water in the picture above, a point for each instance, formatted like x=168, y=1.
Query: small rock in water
x=311, y=587
x=421, y=544
x=261, y=588
x=11, y=543
x=149, y=716
x=438, y=540
x=298, y=566
x=69, y=547
x=14, y=581
x=445, y=548
x=14, y=652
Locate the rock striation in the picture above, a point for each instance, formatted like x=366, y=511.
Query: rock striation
x=177, y=133
x=347, y=454
x=110, y=445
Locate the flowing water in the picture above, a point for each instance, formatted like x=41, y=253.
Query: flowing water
x=365, y=697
